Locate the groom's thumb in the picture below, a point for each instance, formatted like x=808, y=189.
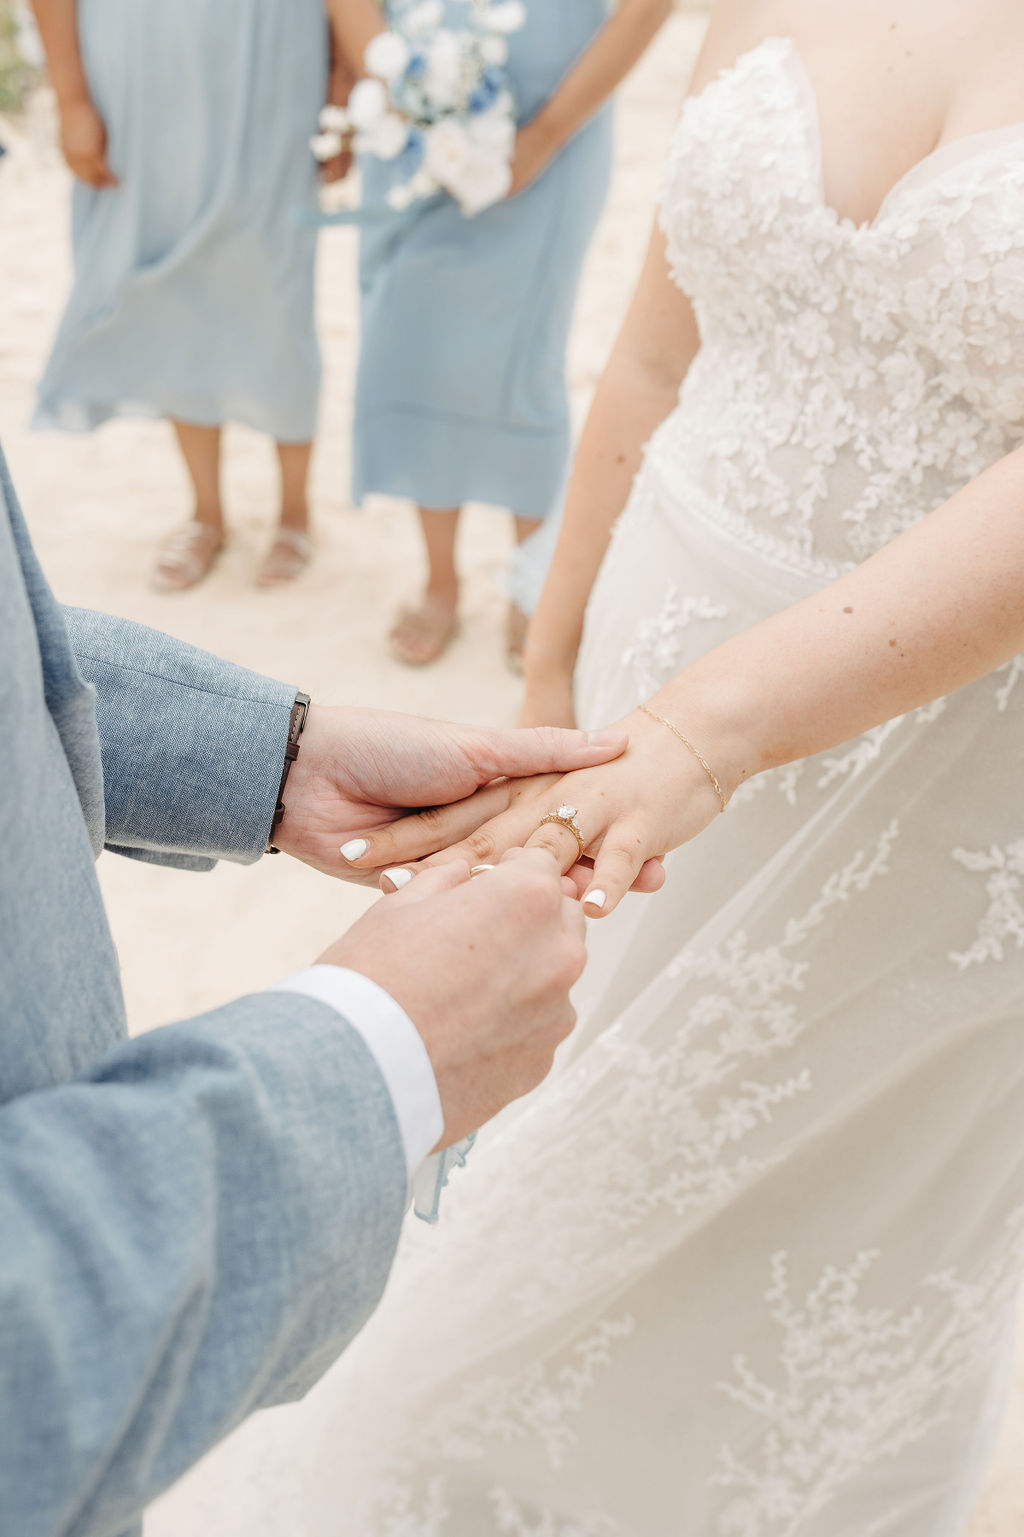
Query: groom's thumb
x=413, y=883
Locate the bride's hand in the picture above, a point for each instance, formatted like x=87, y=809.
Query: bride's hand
x=631, y=813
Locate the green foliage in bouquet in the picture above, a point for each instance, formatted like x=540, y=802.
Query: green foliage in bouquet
x=16, y=76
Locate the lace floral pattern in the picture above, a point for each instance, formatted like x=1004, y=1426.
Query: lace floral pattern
x=884, y=359
x=1001, y=928
x=856, y=1382
x=654, y=652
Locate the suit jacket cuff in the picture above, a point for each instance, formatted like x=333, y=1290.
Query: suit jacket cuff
x=192, y=746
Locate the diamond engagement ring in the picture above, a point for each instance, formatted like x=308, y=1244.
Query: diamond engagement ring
x=565, y=816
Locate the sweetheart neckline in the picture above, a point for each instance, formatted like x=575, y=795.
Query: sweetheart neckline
x=921, y=170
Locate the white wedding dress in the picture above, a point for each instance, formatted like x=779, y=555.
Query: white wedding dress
x=746, y=1266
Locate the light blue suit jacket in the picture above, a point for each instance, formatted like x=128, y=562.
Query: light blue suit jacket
x=193, y=1224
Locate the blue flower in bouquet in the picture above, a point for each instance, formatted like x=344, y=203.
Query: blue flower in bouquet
x=436, y=102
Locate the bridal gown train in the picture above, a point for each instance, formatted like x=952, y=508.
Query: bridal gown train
x=746, y=1265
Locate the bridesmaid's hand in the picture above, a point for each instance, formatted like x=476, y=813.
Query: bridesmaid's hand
x=339, y=89
x=548, y=701
x=83, y=140
x=534, y=149
x=631, y=812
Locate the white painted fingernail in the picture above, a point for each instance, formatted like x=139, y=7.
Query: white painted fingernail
x=355, y=849
x=595, y=898
x=398, y=877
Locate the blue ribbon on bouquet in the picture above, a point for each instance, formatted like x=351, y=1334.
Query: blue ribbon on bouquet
x=431, y=1178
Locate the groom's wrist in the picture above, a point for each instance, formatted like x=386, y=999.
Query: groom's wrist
x=296, y=726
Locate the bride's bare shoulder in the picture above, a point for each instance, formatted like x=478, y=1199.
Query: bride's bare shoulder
x=735, y=27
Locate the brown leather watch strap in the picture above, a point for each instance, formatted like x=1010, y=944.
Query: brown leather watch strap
x=296, y=726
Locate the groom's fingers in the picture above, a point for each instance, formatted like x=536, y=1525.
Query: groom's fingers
x=419, y=884
x=544, y=750
x=413, y=837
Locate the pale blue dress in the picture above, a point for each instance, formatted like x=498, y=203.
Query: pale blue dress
x=461, y=392
x=193, y=291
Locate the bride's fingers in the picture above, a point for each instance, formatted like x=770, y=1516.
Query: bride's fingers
x=650, y=879
x=424, y=832
x=652, y=876
x=617, y=865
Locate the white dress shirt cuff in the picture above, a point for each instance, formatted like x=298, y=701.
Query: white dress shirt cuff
x=394, y=1043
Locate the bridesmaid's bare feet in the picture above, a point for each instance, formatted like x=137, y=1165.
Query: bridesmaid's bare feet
x=420, y=635
x=288, y=556
x=187, y=555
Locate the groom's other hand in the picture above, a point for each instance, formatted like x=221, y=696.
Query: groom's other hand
x=483, y=968
x=361, y=769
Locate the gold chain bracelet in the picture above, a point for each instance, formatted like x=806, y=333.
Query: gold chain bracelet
x=705, y=765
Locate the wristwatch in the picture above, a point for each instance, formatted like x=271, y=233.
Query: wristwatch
x=296, y=726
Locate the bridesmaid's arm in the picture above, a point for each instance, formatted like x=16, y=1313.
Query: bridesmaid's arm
x=593, y=78
x=82, y=131
x=355, y=23
x=638, y=389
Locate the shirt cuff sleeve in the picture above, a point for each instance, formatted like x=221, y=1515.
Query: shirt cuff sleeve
x=394, y=1043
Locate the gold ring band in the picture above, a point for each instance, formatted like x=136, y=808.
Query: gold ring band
x=565, y=816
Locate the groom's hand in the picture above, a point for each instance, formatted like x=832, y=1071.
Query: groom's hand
x=483, y=969
x=361, y=769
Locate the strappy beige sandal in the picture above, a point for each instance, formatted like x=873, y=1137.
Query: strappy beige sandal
x=288, y=556
x=420, y=635
x=186, y=556
x=516, y=626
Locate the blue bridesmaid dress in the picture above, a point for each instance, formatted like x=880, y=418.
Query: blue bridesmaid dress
x=193, y=291
x=461, y=392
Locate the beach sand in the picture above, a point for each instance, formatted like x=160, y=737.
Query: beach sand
x=97, y=506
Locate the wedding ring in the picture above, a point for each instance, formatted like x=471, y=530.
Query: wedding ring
x=565, y=816
x=479, y=869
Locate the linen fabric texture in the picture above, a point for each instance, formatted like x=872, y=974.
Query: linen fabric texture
x=461, y=391
x=193, y=286
x=195, y=1222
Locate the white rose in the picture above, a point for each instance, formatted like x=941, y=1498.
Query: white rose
x=423, y=17
x=493, y=50
x=388, y=136
x=506, y=16
x=494, y=133
x=480, y=181
x=446, y=149
x=335, y=119
x=387, y=55
x=367, y=104
x=423, y=184
x=443, y=75
x=326, y=145
x=400, y=197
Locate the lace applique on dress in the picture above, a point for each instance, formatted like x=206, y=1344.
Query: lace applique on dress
x=849, y=376
x=653, y=653
x=1001, y=928
x=856, y=1382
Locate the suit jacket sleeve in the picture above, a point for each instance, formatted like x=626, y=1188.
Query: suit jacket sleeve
x=192, y=1229
x=192, y=746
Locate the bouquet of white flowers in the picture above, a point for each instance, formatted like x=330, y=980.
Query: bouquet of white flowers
x=436, y=101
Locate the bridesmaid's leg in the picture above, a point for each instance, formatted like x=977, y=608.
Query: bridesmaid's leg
x=292, y=547
x=186, y=556
x=422, y=633
x=518, y=622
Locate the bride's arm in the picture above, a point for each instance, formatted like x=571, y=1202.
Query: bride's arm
x=597, y=73
x=936, y=609
x=637, y=390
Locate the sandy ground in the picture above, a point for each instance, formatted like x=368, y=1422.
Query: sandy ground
x=98, y=504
